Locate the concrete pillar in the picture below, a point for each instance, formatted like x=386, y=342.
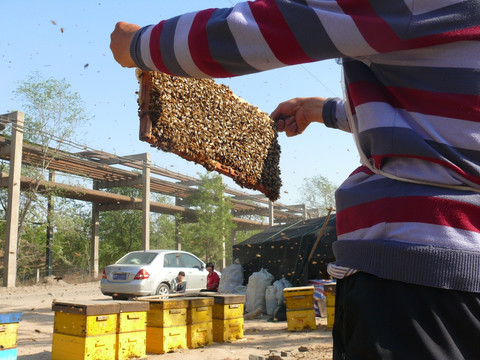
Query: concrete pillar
x=11, y=241
x=146, y=203
x=50, y=210
x=271, y=217
x=178, y=241
x=224, y=257
x=95, y=236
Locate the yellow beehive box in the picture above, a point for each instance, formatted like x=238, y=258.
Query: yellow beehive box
x=166, y=318
x=131, y=345
x=132, y=330
x=298, y=320
x=132, y=316
x=330, y=291
x=199, y=335
x=199, y=310
x=228, y=298
x=86, y=330
x=132, y=321
x=8, y=336
x=166, y=325
x=228, y=311
x=167, y=313
x=86, y=318
x=227, y=330
x=227, y=317
x=79, y=348
x=166, y=339
x=299, y=298
x=167, y=304
x=330, y=316
x=82, y=325
x=228, y=306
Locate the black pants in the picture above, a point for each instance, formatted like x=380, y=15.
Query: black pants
x=383, y=319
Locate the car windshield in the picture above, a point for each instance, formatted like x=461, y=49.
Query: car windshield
x=138, y=258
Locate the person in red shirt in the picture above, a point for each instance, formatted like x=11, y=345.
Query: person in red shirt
x=213, y=280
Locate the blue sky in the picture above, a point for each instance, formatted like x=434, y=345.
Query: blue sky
x=70, y=40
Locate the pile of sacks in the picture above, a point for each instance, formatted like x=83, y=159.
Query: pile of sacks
x=263, y=295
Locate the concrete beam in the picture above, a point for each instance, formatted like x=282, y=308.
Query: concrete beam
x=106, y=184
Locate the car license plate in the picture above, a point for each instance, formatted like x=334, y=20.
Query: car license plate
x=122, y=276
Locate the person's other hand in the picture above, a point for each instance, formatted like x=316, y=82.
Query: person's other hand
x=120, y=40
x=293, y=116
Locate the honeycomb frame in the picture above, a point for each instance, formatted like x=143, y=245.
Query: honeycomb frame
x=204, y=122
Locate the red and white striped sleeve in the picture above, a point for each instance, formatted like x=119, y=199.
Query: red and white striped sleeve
x=265, y=34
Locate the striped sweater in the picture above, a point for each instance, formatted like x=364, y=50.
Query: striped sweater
x=411, y=212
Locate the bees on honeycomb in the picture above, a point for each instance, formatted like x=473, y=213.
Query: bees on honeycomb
x=203, y=121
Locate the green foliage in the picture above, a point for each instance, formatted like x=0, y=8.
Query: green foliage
x=241, y=236
x=318, y=193
x=162, y=232
x=72, y=237
x=120, y=231
x=32, y=250
x=214, y=221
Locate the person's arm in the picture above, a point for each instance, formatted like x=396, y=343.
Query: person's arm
x=120, y=41
x=250, y=37
x=293, y=116
x=173, y=285
x=334, y=114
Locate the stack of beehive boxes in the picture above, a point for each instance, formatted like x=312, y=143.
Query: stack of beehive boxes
x=227, y=317
x=166, y=325
x=330, y=291
x=99, y=330
x=84, y=330
x=8, y=335
x=300, y=308
x=132, y=330
x=199, y=322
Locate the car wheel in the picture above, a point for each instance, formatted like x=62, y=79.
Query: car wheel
x=163, y=290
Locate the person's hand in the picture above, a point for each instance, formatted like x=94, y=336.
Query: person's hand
x=293, y=116
x=120, y=40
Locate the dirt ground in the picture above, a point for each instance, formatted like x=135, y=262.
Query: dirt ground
x=262, y=339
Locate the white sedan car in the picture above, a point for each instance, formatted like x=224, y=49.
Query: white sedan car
x=141, y=273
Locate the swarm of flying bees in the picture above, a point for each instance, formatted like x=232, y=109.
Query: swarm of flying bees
x=203, y=121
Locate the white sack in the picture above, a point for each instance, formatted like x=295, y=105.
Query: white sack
x=279, y=285
x=232, y=277
x=256, y=288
